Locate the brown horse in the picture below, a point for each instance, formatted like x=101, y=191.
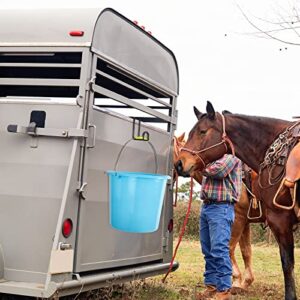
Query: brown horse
x=250, y=137
x=240, y=228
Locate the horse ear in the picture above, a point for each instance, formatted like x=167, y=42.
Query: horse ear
x=197, y=113
x=210, y=111
x=181, y=137
x=226, y=112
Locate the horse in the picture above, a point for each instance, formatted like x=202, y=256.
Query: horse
x=256, y=141
x=241, y=225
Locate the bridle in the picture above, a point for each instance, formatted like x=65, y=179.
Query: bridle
x=225, y=140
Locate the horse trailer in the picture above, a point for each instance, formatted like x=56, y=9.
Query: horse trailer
x=82, y=91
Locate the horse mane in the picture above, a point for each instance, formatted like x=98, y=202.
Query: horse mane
x=260, y=118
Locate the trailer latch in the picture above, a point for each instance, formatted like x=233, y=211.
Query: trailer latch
x=33, y=130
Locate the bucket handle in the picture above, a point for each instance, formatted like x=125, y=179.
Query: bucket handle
x=132, y=139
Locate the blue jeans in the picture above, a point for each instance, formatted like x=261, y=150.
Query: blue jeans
x=215, y=233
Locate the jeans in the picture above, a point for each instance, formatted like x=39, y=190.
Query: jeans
x=215, y=233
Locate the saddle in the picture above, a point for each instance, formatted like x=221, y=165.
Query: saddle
x=293, y=167
x=293, y=174
x=285, y=152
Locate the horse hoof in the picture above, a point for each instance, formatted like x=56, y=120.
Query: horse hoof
x=246, y=284
x=237, y=283
x=237, y=290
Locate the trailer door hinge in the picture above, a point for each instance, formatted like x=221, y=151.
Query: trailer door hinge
x=90, y=84
x=92, y=134
x=64, y=246
x=165, y=241
x=81, y=191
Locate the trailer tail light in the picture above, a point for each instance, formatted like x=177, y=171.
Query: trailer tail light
x=67, y=228
x=170, y=225
x=76, y=33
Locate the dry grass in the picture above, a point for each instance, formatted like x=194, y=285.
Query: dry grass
x=187, y=280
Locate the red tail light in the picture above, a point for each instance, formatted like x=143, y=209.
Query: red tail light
x=76, y=33
x=67, y=228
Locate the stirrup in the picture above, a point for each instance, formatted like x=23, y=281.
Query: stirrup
x=293, y=197
x=249, y=209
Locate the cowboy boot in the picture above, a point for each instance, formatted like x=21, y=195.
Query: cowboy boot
x=209, y=292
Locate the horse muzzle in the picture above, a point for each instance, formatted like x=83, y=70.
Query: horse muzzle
x=180, y=169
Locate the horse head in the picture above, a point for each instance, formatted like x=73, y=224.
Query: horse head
x=178, y=144
x=206, y=143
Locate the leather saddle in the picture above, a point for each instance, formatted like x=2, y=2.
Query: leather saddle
x=292, y=173
x=293, y=167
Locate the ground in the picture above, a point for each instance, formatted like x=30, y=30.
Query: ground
x=187, y=280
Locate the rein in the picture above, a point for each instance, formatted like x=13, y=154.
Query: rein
x=225, y=140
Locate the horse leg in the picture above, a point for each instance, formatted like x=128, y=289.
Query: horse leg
x=281, y=225
x=236, y=273
x=236, y=232
x=245, y=246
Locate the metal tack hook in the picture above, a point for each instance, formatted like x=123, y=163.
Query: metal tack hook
x=145, y=136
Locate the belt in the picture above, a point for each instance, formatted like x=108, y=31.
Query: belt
x=207, y=201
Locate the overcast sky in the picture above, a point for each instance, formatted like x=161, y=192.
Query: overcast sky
x=218, y=60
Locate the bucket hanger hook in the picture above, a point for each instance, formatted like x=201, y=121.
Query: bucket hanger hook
x=145, y=136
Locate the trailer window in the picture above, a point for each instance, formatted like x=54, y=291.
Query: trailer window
x=32, y=74
x=119, y=92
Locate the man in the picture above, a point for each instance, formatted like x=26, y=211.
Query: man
x=221, y=188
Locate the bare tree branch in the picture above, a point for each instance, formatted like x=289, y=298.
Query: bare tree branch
x=272, y=30
x=265, y=32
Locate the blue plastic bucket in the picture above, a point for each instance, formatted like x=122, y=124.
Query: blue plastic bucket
x=136, y=200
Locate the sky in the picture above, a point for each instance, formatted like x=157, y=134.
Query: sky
x=220, y=58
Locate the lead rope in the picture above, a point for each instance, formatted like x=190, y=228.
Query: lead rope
x=182, y=231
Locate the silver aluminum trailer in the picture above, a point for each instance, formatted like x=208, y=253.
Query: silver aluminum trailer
x=71, y=83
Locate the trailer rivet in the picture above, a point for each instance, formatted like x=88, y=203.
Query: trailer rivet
x=64, y=133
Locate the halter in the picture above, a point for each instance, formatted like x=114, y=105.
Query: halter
x=225, y=140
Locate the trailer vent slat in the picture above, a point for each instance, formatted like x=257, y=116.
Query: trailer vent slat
x=40, y=74
x=122, y=93
x=44, y=57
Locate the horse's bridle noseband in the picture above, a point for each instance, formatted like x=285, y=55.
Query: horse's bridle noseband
x=225, y=140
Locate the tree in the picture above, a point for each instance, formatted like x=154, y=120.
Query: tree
x=282, y=25
x=184, y=191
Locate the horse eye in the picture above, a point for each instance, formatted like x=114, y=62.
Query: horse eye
x=203, y=132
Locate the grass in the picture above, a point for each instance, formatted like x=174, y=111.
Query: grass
x=187, y=281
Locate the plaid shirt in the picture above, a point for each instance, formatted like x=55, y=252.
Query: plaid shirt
x=223, y=180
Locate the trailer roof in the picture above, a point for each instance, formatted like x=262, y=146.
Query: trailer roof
x=46, y=26
x=108, y=33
